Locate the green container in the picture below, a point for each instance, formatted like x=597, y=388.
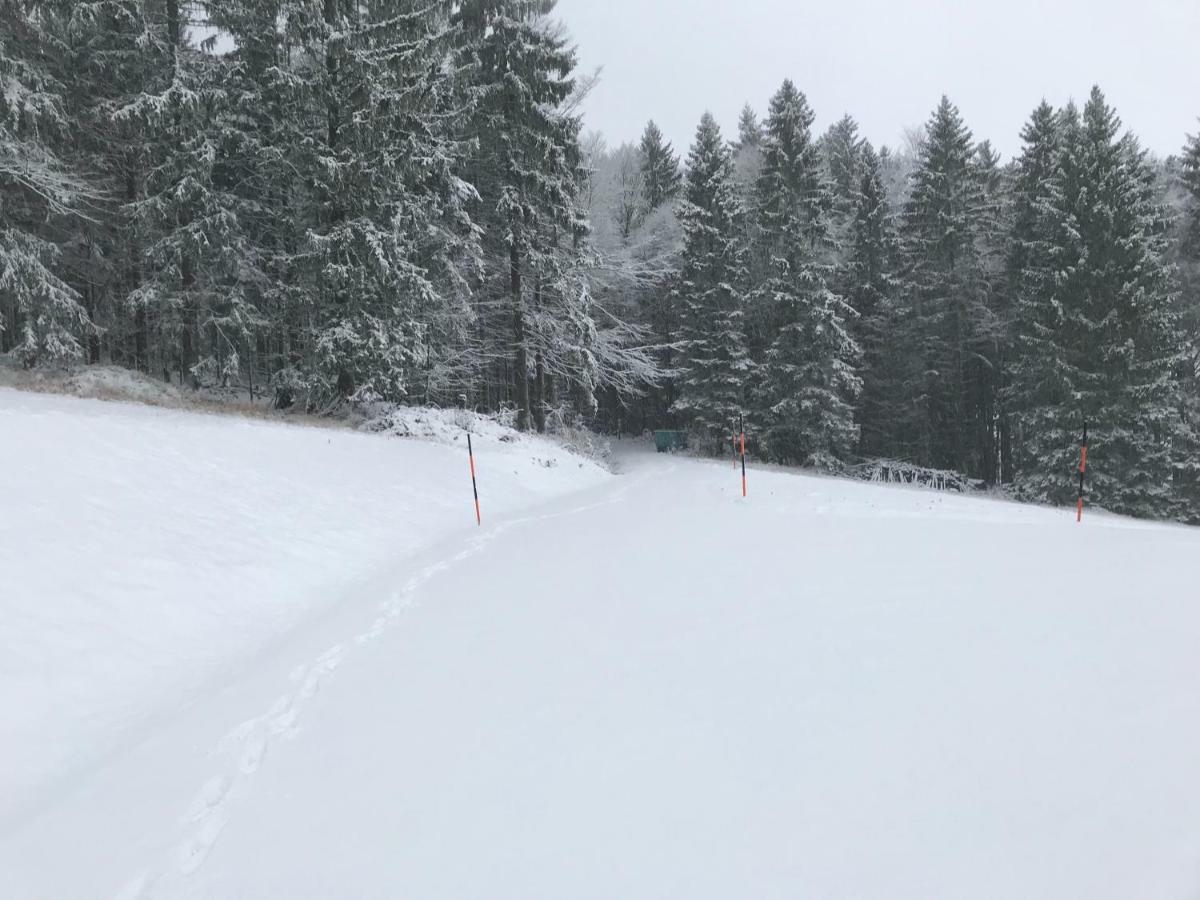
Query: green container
x=670, y=441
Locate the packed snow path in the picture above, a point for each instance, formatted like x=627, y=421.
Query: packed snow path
x=654, y=689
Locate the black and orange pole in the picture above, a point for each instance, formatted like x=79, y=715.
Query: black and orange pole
x=742, y=448
x=1082, y=472
x=474, y=484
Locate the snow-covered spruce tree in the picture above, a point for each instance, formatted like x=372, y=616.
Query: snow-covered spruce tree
x=710, y=292
x=750, y=130
x=1037, y=388
x=110, y=52
x=41, y=317
x=946, y=327
x=747, y=155
x=1190, y=176
x=1125, y=289
x=386, y=226
x=264, y=146
x=870, y=262
x=807, y=383
x=661, y=178
x=527, y=169
x=842, y=148
x=993, y=427
x=186, y=226
x=1188, y=248
x=1102, y=309
x=1188, y=262
x=841, y=151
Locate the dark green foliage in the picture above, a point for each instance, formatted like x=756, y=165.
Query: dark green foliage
x=807, y=383
x=870, y=262
x=711, y=292
x=947, y=326
x=1099, y=341
x=661, y=178
x=330, y=200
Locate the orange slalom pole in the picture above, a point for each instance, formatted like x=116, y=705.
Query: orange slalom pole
x=474, y=483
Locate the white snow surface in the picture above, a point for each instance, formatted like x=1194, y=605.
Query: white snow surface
x=145, y=552
x=647, y=687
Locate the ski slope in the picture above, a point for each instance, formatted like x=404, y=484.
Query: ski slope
x=638, y=686
x=145, y=553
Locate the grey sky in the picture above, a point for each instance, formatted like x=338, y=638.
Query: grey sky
x=888, y=61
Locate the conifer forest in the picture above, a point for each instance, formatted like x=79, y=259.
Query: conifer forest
x=323, y=202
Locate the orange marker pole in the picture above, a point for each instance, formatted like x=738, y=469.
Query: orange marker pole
x=742, y=429
x=474, y=484
x=1083, y=453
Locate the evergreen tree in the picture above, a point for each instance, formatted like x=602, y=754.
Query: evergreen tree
x=807, y=378
x=389, y=224
x=1098, y=338
x=111, y=51
x=264, y=146
x=41, y=316
x=992, y=439
x=528, y=172
x=747, y=155
x=185, y=225
x=1188, y=256
x=1035, y=390
x=714, y=366
x=661, y=178
x=1188, y=253
x=1190, y=176
x=750, y=130
x=843, y=152
x=947, y=324
x=871, y=259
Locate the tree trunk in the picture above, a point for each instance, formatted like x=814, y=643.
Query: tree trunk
x=1007, y=469
x=8, y=326
x=93, y=338
x=133, y=274
x=539, y=400
x=521, y=351
x=188, y=357
x=333, y=113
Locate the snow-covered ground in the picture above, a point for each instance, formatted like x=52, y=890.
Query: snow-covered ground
x=643, y=687
x=146, y=552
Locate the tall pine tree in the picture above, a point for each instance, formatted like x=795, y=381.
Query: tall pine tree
x=947, y=324
x=528, y=171
x=42, y=318
x=871, y=260
x=807, y=378
x=661, y=178
x=1099, y=341
x=715, y=366
x=1035, y=389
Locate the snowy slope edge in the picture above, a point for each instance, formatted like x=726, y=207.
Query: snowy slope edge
x=147, y=551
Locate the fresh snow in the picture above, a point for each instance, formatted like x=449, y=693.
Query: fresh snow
x=310, y=678
x=144, y=552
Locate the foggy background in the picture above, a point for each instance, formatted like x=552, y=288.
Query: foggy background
x=888, y=63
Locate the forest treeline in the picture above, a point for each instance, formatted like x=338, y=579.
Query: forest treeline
x=336, y=200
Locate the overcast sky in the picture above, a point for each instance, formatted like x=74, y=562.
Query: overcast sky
x=887, y=62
